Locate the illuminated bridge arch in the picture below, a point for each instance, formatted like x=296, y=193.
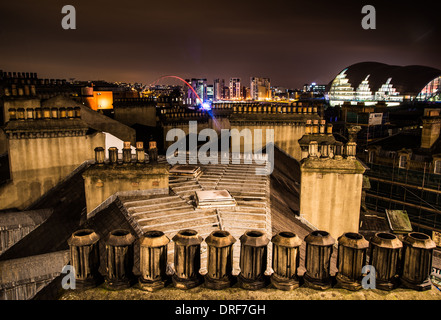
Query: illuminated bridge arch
x=182, y=80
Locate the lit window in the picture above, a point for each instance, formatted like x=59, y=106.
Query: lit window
x=403, y=162
x=437, y=168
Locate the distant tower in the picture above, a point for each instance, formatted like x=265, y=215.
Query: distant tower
x=200, y=87
x=235, y=90
x=260, y=88
x=331, y=182
x=219, y=85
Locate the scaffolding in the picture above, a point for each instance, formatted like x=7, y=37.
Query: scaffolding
x=416, y=191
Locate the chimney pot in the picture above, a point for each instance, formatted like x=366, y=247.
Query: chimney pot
x=70, y=113
x=187, y=259
x=99, y=155
x=119, y=259
x=38, y=113
x=46, y=113
x=319, y=244
x=127, y=152
x=322, y=126
x=315, y=127
x=113, y=155
x=54, y=113
x=140, y=154
x=329, y=128
x=313, y=149
x=21, y=114
x=253, y=259
x=12, y=114
x=84, y=257
x=77, y=111
x=63, y=113
x=153, y=248
x=30, y=113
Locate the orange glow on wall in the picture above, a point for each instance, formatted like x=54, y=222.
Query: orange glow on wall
x=100, y=100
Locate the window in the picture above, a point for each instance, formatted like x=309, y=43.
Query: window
x=437, y=167
x=403, y=162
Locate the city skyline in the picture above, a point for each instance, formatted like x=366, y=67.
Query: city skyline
x=289, y=42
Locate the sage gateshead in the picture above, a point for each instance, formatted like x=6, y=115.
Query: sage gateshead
x=373, y=82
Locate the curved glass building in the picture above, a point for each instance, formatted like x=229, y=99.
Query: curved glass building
x=372, y=82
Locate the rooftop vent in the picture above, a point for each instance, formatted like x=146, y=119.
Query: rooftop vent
x=214, y=198
x=190, y=171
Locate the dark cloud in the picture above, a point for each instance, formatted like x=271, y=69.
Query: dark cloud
x=292, y=42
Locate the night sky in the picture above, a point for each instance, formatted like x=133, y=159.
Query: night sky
x=291, y=42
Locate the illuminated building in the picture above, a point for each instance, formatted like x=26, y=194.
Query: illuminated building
x=218, y=89
x=314, y=88
x=260, y=88
x=235, y=89
x=200, y=87
x=210, y=92
x=371, y=82
x=97, y=100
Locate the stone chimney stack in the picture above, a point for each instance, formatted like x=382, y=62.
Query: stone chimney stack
x=431, y=127
x=104, y=179
x=325, y=172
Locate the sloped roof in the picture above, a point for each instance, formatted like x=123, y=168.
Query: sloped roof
x=172, y=212
x=406, y=79
x=68, y=202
